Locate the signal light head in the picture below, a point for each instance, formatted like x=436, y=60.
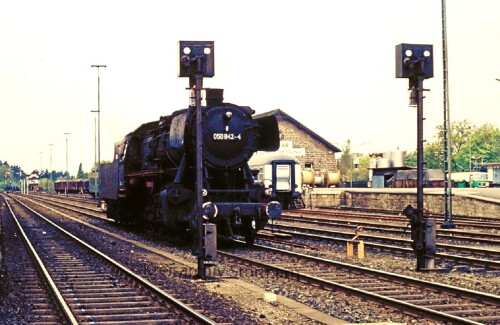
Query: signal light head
x=413, y=60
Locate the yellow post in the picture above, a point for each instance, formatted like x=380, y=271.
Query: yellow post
x=361, y=250
x=360, y=246
x=359, y=243
x=350, y=248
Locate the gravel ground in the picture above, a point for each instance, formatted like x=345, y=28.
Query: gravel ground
x=218, y=298
x=236, y=305
x=15, y=307
x=463, y=276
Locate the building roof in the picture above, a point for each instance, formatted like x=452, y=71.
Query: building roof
x=280, y=115
x=266, y=157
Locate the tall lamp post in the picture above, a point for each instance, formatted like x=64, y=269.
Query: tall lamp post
x=40, y=156
x=96, y=190
x=448, y=221
x=67, y=170
x=40, y=173
x=51, y=180
x=41, y=187
x=98, y=66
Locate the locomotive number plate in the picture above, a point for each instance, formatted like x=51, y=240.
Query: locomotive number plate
x=226, y=136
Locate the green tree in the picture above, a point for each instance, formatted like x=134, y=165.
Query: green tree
x=361, y=171
x=469, y=144
x=460, y=133
x=80, y=173
x=345, y=164
x=483, y=146
x=433, y=157
x=349, y=171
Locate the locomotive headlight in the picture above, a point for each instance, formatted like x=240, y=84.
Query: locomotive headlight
x=204, y=192
x=273, y=210
x=228, y=116
x=209, y=210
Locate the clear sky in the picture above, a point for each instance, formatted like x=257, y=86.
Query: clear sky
x=329, y=64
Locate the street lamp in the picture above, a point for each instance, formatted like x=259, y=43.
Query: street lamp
x=98, y=66
x=40, y=152
x=96, y=190
x=67, y=177
x=51, y=180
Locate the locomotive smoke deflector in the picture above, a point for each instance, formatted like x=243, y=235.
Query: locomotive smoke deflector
x=269, y=135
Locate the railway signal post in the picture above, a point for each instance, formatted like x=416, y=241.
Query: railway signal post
x=415, y=62
x=196, y=61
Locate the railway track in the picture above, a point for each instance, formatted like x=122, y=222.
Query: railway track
x=476, y=256
x=437, y=302
x=73, y=204
x=159, y=264
x=464, y=255
x=396, y=228
x=487, y=256
x=367, y=214
x=90, y=286
x=293, y=272
x=23, y=281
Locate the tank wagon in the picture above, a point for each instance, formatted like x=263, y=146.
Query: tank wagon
x=151, y=180
x=282, y=174
x=321, y=178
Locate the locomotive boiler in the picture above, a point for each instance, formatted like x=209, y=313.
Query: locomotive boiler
x=152, y=179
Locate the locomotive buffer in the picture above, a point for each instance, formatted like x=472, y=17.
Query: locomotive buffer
x=196, y=60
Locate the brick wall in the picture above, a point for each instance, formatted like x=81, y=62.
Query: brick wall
x=318, y=154
x=434, y=203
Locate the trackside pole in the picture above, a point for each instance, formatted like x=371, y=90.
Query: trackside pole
x=196, y=60
x=414, y=61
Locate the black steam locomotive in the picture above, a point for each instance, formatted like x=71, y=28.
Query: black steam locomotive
x=152, y=179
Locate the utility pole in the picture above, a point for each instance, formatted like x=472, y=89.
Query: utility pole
x=51, y=180
x=96, y=189
x=67, y=169
x=40, y=173
x=448, y=222
x=98, y=66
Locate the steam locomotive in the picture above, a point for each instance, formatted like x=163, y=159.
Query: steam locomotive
x=152, y=179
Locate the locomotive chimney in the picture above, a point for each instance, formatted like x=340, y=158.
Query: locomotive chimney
x=214, y=96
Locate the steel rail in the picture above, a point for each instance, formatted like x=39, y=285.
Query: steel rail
x=464, y=221
x=494, y=264
x=195, y=314
x=70, y=317
x=397, y=229
x=475, y=250
x=409, y=307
